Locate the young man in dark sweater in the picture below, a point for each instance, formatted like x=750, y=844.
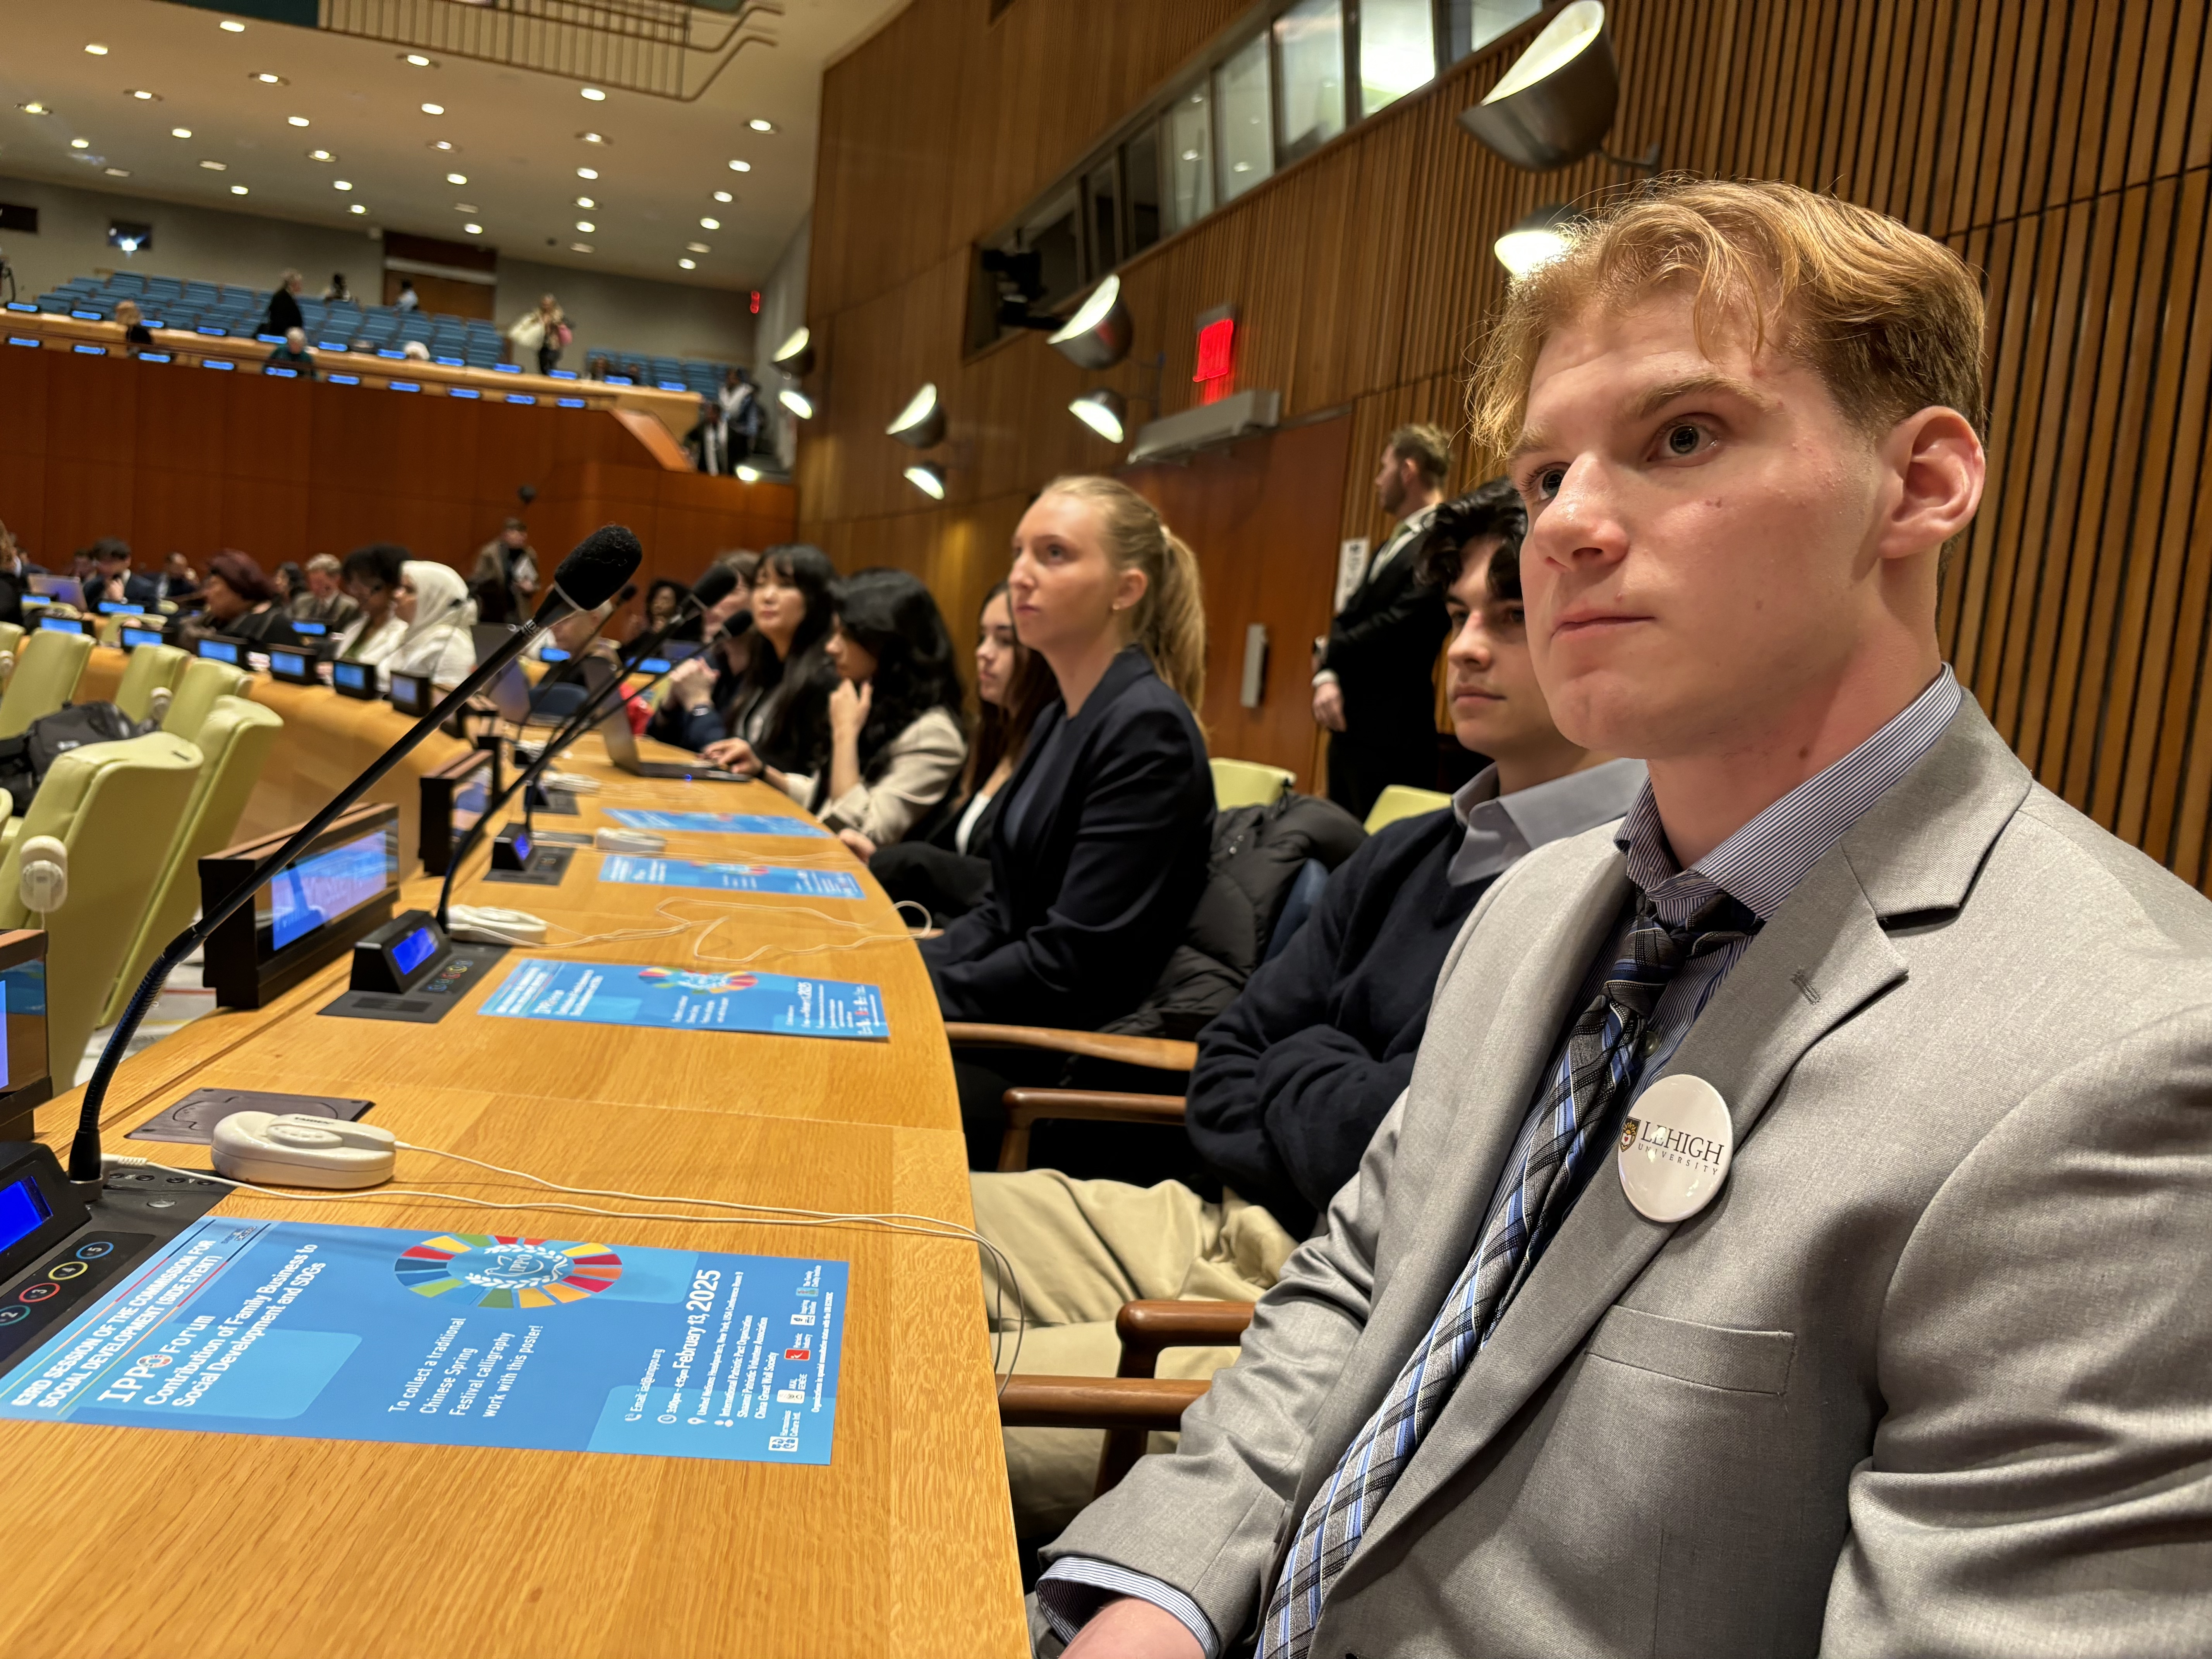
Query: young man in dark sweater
x=1293, y=1078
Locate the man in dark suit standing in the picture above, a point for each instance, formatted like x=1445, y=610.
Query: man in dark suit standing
x=1374, y=689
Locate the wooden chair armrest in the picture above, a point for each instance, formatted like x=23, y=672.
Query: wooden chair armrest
x=1027, y=1107
x=1147, y=1327
x=1094, y=1402
x=1159, y=1054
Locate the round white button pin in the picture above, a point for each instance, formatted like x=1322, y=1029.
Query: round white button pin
x=1675, y=1148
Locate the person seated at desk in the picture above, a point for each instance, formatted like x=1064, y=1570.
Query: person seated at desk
x=561, y=689
x=1106, y=829
x=239, y=602
x=433, y=606
x=779, y=704
x=896, y=741
x=113, y=581
x=14, y=578
x=663, y=600
x=292, y=353
x=372, y=582
x=714, y=679
x=1293, y=1078
x=179, y=582
x=322, y=599
x=946, y=866
x=136, y=334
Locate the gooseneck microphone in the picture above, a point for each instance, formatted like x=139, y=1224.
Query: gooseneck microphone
x=708, y=592
x=601, y=563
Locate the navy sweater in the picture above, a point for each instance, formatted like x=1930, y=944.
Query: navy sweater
x=1293, y=1078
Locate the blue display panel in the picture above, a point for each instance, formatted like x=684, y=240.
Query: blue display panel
x=354, y=675
x=219, y=651
x=22, y=1211
x=135, y=637
x=62, y=625
x=320, y=889
x=288, y=662
x=312, y=630
x=414, y=950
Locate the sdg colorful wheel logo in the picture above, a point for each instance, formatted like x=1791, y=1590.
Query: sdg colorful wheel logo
x=705, y=984
x=493, y=1270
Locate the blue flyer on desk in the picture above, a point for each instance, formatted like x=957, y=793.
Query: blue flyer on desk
x=729, y=877
x=286, y=1327
x=667, y=999
x=722, y=824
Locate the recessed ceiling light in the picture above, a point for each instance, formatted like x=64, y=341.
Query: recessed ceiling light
x=587, y=172
x=268, y=79
x=741, y=166
x=696, y=247
x=594, y=138
x=295, y=120
x=579, y=248
x=97, y=49
x=34, y=107
x=710, y=224
x=473, y=230
x=341, y=184
x=687, y=264
x=216, y=167
x=417, y=59
x=457, y=178
x=238, y=190
x=357, y=208
x=585, y=226
x=433, y=109
x=231, y=26
x=759, y=125
x=595, y=94
x=467, y=207
x=320, y=155
x=181, y=132
x=144, y=96
x=80, y=144
x=586, y=202
x=724, y=196
x=117, y=173
x=442, y=144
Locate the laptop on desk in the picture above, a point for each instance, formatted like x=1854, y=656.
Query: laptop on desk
x=622, y=750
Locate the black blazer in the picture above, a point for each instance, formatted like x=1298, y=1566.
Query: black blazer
x=1097, y=859
x=1382, y=649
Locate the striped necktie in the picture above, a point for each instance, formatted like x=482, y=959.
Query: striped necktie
x=1593, y=1078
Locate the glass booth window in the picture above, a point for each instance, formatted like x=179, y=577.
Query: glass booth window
x=1469, y=24
x=1309, y=45
x=1189, y=133
x=1104, y=197
x=1140, y=177
x=1397, y=51
x=1241, y=93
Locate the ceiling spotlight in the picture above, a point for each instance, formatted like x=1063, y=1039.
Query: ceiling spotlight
x=795, y=356
x=1535, y=240
x=710, y=224
x=81, y=143
x=687, y=264
x=592, y=137
x=117, y=173
x=749, y=475
x=181, y=132
x=759, y=125
x=587, y=172
x=585, y=226
x=442, y=144
x=797, y=402
x=238, y=190
x=473, y=230
x=231, y=26
x=724, y=196
x=696, y=247
x=295, y=120
x=1098, y=336
x=417, y=59
x=457, y=178
x=268, y=80
x=595, y=94
x=144, y=96
x=1103, y=412
x=928, y=478
x=34, y=107
x=320, y=155
x=921, y=424
x=579, y=248
x=216, y=167
x=97, y=49
x=741, y=166
x=1555, y=103
x=341, y=184
x=586, y=202
x=433, y=109
x=357, y=208
x=465, y=207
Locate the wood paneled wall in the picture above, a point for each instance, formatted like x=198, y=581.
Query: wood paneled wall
x=2064, y=149
x=170, y=457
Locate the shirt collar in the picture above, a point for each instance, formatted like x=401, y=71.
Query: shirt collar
x=1502, y=830
x=1763, y=862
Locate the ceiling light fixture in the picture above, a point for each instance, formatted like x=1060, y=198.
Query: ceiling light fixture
x=921, y=424
x=216, y=167
x=144, y=96
x=357, y=208
x=696, y=247
x=928, y=478
x=1536, y=240
x=341, y=184
x=1104, y=412
x=457, y=178
x=741, y=166
x=797, y=402
x=295, y=120
x=181, y=132
x=433, y=109
x=34, y=107
x=795, y=356
x=473, y=230
x=117, y=173
x=587, y=172
x=238, y=190
x=231, y=26
x=594, y=138
x=585, y=226
x=1556, y=102
x=268, y=79
x=442, y=144
x=687, y=264
x=586, y=202
x=1098, y=335
x=579, y=248
x=710, y=224
x=417, y=59
x=595, y=94
x=467, y=207
x=97, y=49
x=320, y=155
x=80, y=144
x=724, y=196
x=759, y=125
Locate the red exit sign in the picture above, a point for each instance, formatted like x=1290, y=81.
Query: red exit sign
x=1216, y=373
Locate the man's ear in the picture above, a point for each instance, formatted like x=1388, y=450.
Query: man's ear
x=1939, y=469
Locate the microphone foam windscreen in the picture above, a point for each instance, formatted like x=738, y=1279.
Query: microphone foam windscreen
x=601, y=563
x=717, y=585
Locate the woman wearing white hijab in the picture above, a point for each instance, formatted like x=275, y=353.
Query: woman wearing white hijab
x=434, y=604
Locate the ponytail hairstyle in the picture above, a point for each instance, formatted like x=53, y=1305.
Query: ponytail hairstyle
x=1170, y=621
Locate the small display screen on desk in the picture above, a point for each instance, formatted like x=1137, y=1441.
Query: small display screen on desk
x=219, y=651
x=135, y=637
x=22, y=1211
x=310, y=630
x=62, y=625
x=117, y=608
x=411, y=693
x=414, y=950
x=655, y=666
x=552, y=653
x=325, y=886
x=294, y=663
x=352, y=676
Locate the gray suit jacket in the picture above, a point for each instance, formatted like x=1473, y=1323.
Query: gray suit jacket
x=1932, y=1375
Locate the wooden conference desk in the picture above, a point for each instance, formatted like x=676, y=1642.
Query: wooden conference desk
x=165, y=1544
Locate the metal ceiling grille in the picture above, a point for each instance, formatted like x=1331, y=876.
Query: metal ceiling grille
x=659, y=47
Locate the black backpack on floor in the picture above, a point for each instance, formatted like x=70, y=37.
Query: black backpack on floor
x=24, y=760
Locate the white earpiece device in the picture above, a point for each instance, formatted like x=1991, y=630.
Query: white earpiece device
x=43, y=883
x=296, y=1150
x=628, y=840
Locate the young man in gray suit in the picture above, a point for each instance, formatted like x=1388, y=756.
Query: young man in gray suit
x=1792, y=1239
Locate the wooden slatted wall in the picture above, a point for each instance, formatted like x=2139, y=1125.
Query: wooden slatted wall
x=2064, y=149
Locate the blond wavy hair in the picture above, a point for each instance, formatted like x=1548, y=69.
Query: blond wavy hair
x=1170, y=621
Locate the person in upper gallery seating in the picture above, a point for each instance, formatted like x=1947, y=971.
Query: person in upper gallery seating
x=433, y=603
x=779, y=713
x=372, y=582
x=895, y=736
x=323, y=599
x=408, y=299
x=136, y=334
x=1105, y=831
x=1294, y=1076
x=292, y=354
x=947, y=870
x=284, y=305
x=338, y=291
x=706, y=688
x=240, y=602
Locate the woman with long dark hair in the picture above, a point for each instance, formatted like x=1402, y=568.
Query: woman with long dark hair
x=779, y=711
